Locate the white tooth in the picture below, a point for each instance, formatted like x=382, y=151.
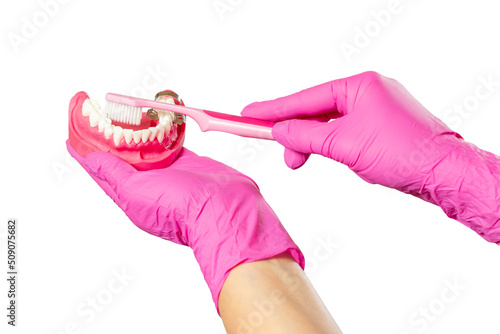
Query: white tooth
x=167, y=126
x=173, y=136
x=118, y=135
x=166, y=117
x=128, y=135
x=168, y=135
x=153, y=131
x=145, y=135
x=167, y=99
x=94, y=118
x=96, y=105
x=102, y=124
x=167, y=140
x=87, y=107
x=108, y=131
x=161, y=133
x=137, y=136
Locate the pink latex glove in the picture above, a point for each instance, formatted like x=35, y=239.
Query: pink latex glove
x=197, y=202
x=376, y=127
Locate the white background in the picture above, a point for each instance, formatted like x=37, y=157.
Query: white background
x=394, y=253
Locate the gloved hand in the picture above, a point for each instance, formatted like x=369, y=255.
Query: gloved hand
x=197, y=202
x=373, y=125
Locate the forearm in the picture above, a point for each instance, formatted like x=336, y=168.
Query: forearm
x=465, y=183
x=273, y=296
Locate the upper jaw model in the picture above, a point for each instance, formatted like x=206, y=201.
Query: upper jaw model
x=154, y=143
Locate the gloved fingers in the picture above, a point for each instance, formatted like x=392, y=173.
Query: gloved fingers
x=109, y=168
x=307, y=136
x=309, y=102
x=294, y=159
x=314, y=101
x=337, y=97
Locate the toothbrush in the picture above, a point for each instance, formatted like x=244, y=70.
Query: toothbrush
x=128, y=110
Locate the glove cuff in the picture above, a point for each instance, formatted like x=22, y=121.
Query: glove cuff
x=465, y=183
x=254, y=233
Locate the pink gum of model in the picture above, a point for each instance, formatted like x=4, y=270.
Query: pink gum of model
x=143, y=156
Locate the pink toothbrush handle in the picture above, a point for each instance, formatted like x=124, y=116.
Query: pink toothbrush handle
x=238, y=125
x=207, y=120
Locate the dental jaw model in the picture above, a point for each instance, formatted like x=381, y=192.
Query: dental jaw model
x=152, y=141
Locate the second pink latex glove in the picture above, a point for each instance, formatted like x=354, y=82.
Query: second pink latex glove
x=379, y=130
x=198, y=202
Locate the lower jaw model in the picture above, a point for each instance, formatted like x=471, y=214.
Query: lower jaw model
x=154, y=143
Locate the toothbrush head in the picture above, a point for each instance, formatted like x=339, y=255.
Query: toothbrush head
x=127, y=132
x=125, y=109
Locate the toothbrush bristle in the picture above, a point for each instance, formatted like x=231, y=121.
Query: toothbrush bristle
x=122, y=113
